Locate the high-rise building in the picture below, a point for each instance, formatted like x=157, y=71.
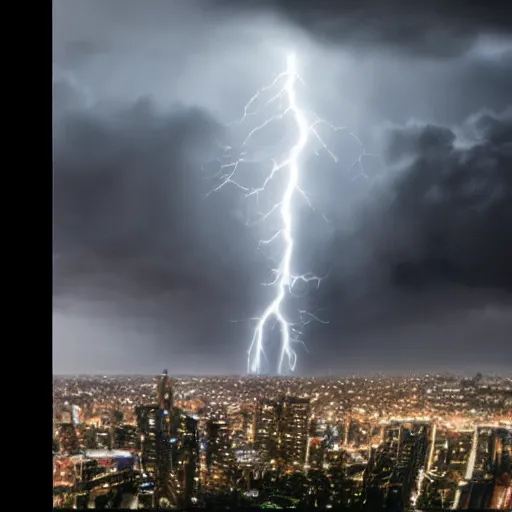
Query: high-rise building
x=219, y=454
x=148, y=419
x=392, y=439
x=483, y=453
x=184, y=475
x=459, y=451
x=316, y=453
x=502, y=453
x=437, y=457
x=125, y=437
x=412, y=454
x=281, y=431
x=463, y=447
x=154, y=424
x=165, y=493
x=103, y=437
x=165, y=392
x=380, y=477
x=169, y=448
x=294, y=432
x=267, y=430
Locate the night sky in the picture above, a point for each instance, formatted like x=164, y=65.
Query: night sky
x=150, y=272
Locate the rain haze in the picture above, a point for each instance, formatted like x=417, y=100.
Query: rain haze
x=413, y=232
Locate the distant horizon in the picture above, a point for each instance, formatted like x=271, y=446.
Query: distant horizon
x=446, y=373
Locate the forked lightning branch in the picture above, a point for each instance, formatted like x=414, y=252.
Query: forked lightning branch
x=283, y=92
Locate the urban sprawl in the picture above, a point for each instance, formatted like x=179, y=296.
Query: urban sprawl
x=351, y=443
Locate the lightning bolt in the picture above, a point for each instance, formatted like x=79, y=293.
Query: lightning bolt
x=306, y=122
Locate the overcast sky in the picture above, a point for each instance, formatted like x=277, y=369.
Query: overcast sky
x=150, y=272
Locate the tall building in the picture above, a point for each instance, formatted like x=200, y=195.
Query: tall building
x=103, y=438
x=169, y=448
x=125, y=437
x=392, y=440
x=379, y=478
x=281, y=432
x=165, y=392
x=316, y=453
x=148, y=419
x=484, y=453
x=433, y=491
x=319, y=439
x=460, y=445
x=502, y=453
x=294, y=432
x=396, y=470
x=219, y=454
x=154, y=424
x=184, y=474
x=463, y=448
x=267, y=430
x=437, y=458
x=412, y=454
x=165, y=493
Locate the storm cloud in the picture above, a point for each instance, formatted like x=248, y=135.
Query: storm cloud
x=434, y=28
x=148, y=268
x=454, y=200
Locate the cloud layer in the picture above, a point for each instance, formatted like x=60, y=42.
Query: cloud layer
x=434, y=28
x=455, y=202
x=147, y=269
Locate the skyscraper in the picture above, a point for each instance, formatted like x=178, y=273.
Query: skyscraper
x=154, y=422
x=147, y=423
x=294, y=432
x=413, y=453
x=461, y=459
x=219, y=453
x=267, y=430
x=184, y=475
x=484, y=452
x=165, y=392
x=281, y=432
x=125, y=437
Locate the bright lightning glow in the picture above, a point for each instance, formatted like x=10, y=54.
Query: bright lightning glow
x=284, y=273
x=285, y=85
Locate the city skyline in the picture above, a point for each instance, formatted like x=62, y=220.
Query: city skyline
x=407, y=444
x=150, y=272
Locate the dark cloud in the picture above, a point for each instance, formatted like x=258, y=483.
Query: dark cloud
x=129, y=211
x=216, y=58
x=456, y=200
x=134, y=235
x=424, y=269
x=146, y=268
x=436, y=27
x=141, y=258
